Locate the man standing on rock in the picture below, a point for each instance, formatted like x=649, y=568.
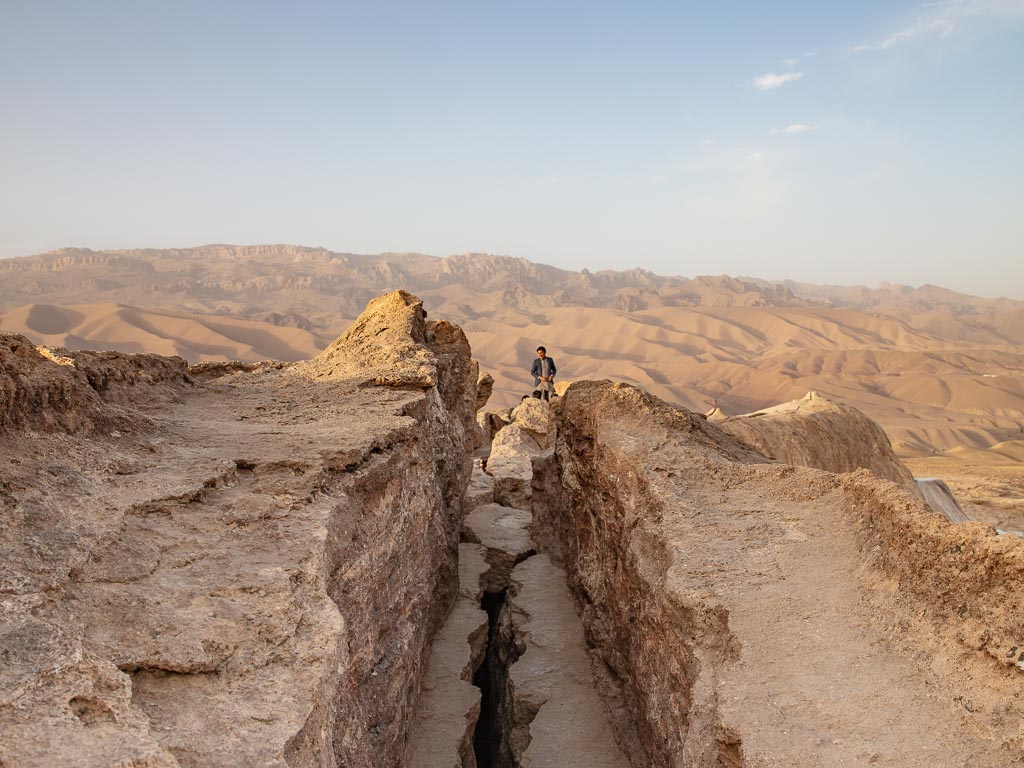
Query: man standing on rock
x=543, y=372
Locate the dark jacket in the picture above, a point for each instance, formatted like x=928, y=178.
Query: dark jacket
x=535, y=371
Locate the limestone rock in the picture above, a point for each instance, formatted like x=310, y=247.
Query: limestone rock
x=555, y=700
x=85, y=699
x=446, y=713
x=484, y=387
x=41, y=393
x=490, y=422
x=510, y=464
x=816, y=432
x=505, y=534
x=480, y=490
x=387, y=344
x=713, y=586
x=513, y=448
x=252, y=574
x=716, y=414
x=533, y=416
x=118, y=377
x=53, y=389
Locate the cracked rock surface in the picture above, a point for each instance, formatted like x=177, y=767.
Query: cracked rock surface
x=245, y=570
x=747, y=613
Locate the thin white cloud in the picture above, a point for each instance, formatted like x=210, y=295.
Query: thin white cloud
x=771, y=81
x=796, y=128
x=752, y=154
x=792, y=62
x=941, y=19
x=935, y=28
x=660, y=179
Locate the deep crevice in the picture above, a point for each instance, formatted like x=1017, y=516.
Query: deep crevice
x=492, y=738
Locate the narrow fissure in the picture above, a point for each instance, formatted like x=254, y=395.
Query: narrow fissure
x=492, y=738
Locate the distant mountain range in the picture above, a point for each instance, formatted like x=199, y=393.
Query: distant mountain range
x=937, y=368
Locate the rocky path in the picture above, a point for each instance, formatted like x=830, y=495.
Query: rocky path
x=515, y=635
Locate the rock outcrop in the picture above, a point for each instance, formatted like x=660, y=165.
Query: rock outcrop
x=484, y=388
x=56, y=390
x=248, y=572
x=253, y=564
x=816, y=432
x=512, y=450
x=725, y=599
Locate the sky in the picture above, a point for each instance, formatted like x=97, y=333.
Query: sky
x=843, y=143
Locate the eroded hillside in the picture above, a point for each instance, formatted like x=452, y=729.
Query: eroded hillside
x=298, y=565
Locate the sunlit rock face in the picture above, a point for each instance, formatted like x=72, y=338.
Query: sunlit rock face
x=243, y=568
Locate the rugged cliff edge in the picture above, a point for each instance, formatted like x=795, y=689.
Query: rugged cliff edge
x=760, y=614
x=243, y=567
x=246, y=565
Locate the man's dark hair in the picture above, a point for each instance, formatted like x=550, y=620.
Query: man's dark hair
x=541, y=349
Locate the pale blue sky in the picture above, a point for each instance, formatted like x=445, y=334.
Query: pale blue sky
x=822, y=142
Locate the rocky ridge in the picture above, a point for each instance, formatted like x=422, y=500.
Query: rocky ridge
x=816, y=432
x=247, y=573
x=751, y=613
x=294, y=564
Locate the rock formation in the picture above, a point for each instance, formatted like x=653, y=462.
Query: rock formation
x=816, y=432
x=537, y=703
x=744, y=613
x=248, y=573
x=303, y=565
x=512, y=450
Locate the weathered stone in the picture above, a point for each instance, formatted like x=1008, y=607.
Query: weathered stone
x=714, y=586
x=490, y=422
x=505, y=534
x=533, y=416
x=816, y=432
x=386, y=344
x=252, y=574
x=480, y=490
x=559, y=718
x=510, y=464
x=446, y=712
x=39, y=393
x=484, y=387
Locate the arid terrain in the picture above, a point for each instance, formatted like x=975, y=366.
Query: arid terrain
x=942, y=372
x=353, y=560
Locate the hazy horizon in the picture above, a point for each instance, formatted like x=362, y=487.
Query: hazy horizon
x=871, y=286
x=815, y=143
